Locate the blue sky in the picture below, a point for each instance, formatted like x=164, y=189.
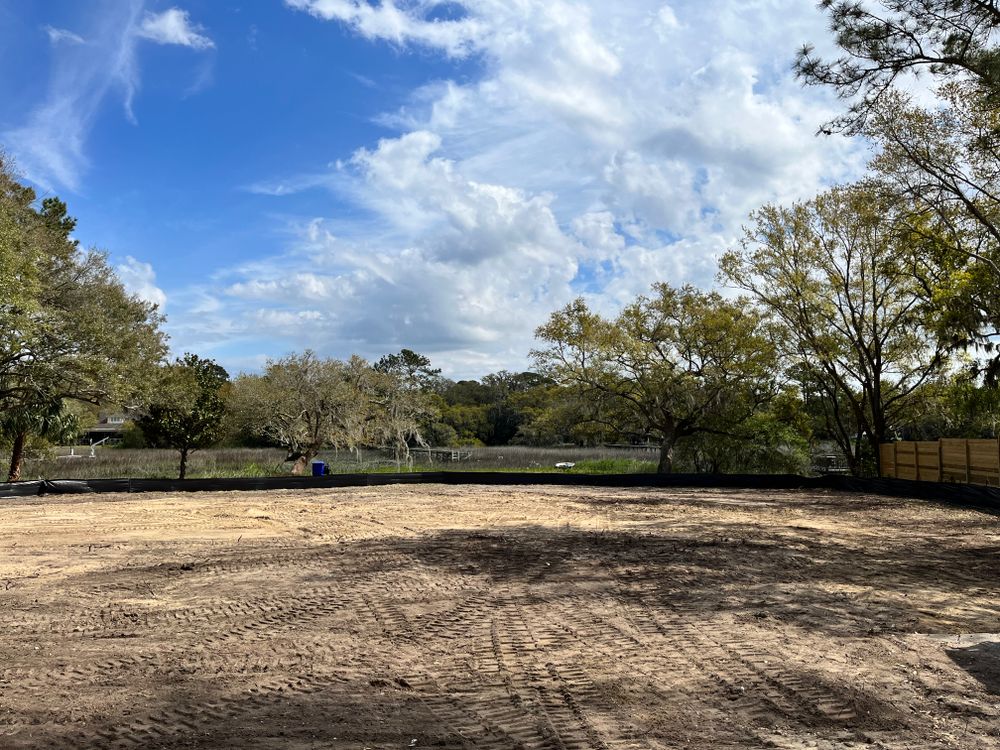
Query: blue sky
x=357, y=177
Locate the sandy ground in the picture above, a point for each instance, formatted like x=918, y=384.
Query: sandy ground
x=469, y=617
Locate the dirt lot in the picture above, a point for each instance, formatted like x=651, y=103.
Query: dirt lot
x=461, y=617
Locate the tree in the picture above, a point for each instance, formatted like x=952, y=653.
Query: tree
x=944, y=162
x=836, y=274
x=304, y=403
x=68, y=329
x=775, y=439
x=959, y=406
x=413, y=370
x=404, y=393
x=670, y=366
x=945, y=158
x=885, y=40
x=399, y=412
x=188, y=410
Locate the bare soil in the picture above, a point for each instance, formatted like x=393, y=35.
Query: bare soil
x=470, y=617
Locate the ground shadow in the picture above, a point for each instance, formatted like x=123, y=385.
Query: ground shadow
x=982, y=661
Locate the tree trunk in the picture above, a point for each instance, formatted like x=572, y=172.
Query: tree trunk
x=666, y=464
x=855, y=460
x=184, y=462
x=17, y=457
x=876, y=437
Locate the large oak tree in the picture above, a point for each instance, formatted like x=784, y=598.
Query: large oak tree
x=673, y=364
x=68, y=328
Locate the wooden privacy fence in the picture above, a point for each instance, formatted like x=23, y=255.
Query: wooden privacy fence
x=944, y=460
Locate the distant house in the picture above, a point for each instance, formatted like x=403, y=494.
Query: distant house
x=110, y=427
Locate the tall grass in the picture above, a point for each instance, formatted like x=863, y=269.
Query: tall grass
x=496, y=458
x=113, y=463
x=152, y=463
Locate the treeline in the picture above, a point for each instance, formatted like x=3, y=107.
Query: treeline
x=868, y=313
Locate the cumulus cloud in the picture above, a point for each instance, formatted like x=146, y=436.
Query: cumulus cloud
x=139, y=279
x=605, y=146
x=173, y=26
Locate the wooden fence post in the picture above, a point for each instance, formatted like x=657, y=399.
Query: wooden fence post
x=916, y=460
x=968, y=462
x=895, y=459
x=941, y=459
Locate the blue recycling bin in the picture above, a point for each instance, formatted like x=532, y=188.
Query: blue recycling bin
x=317, y=468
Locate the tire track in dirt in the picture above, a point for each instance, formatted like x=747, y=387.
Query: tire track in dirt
x=531, y=635
x=754, y=681
x=168, y=727
x=298, y=610
x=537, y=687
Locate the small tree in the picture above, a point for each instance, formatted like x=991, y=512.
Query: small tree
x=675, y=364
x=189, y=408
x=403, y=389
x=399, y=413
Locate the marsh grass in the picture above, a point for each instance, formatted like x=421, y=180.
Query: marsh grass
x=150, y=463
x=153, y=463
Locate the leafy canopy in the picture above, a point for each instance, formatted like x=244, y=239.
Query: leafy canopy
x=673, y=364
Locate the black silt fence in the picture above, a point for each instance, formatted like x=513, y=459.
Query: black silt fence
x=984, y=498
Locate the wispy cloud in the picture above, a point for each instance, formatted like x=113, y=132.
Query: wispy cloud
x=174, y=26
x=57, y=36
x=87, y=69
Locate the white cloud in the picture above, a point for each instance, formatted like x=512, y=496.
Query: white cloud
x=50, y=147
x=604, y=147
x=400, y=24
x=139, y=279
x=57, y=36
x=173, y=26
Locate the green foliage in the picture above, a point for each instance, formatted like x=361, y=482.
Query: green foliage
x=132, y=438
x=412, y=369
x=959, y=406
x=944, y=158
x=885, y=40
x=490, y=412
x=34, y=425
x=613, y=466
x=853, y=324
x=189, y=407
x=68, y=329
x=775, y=440
x=673, y=365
